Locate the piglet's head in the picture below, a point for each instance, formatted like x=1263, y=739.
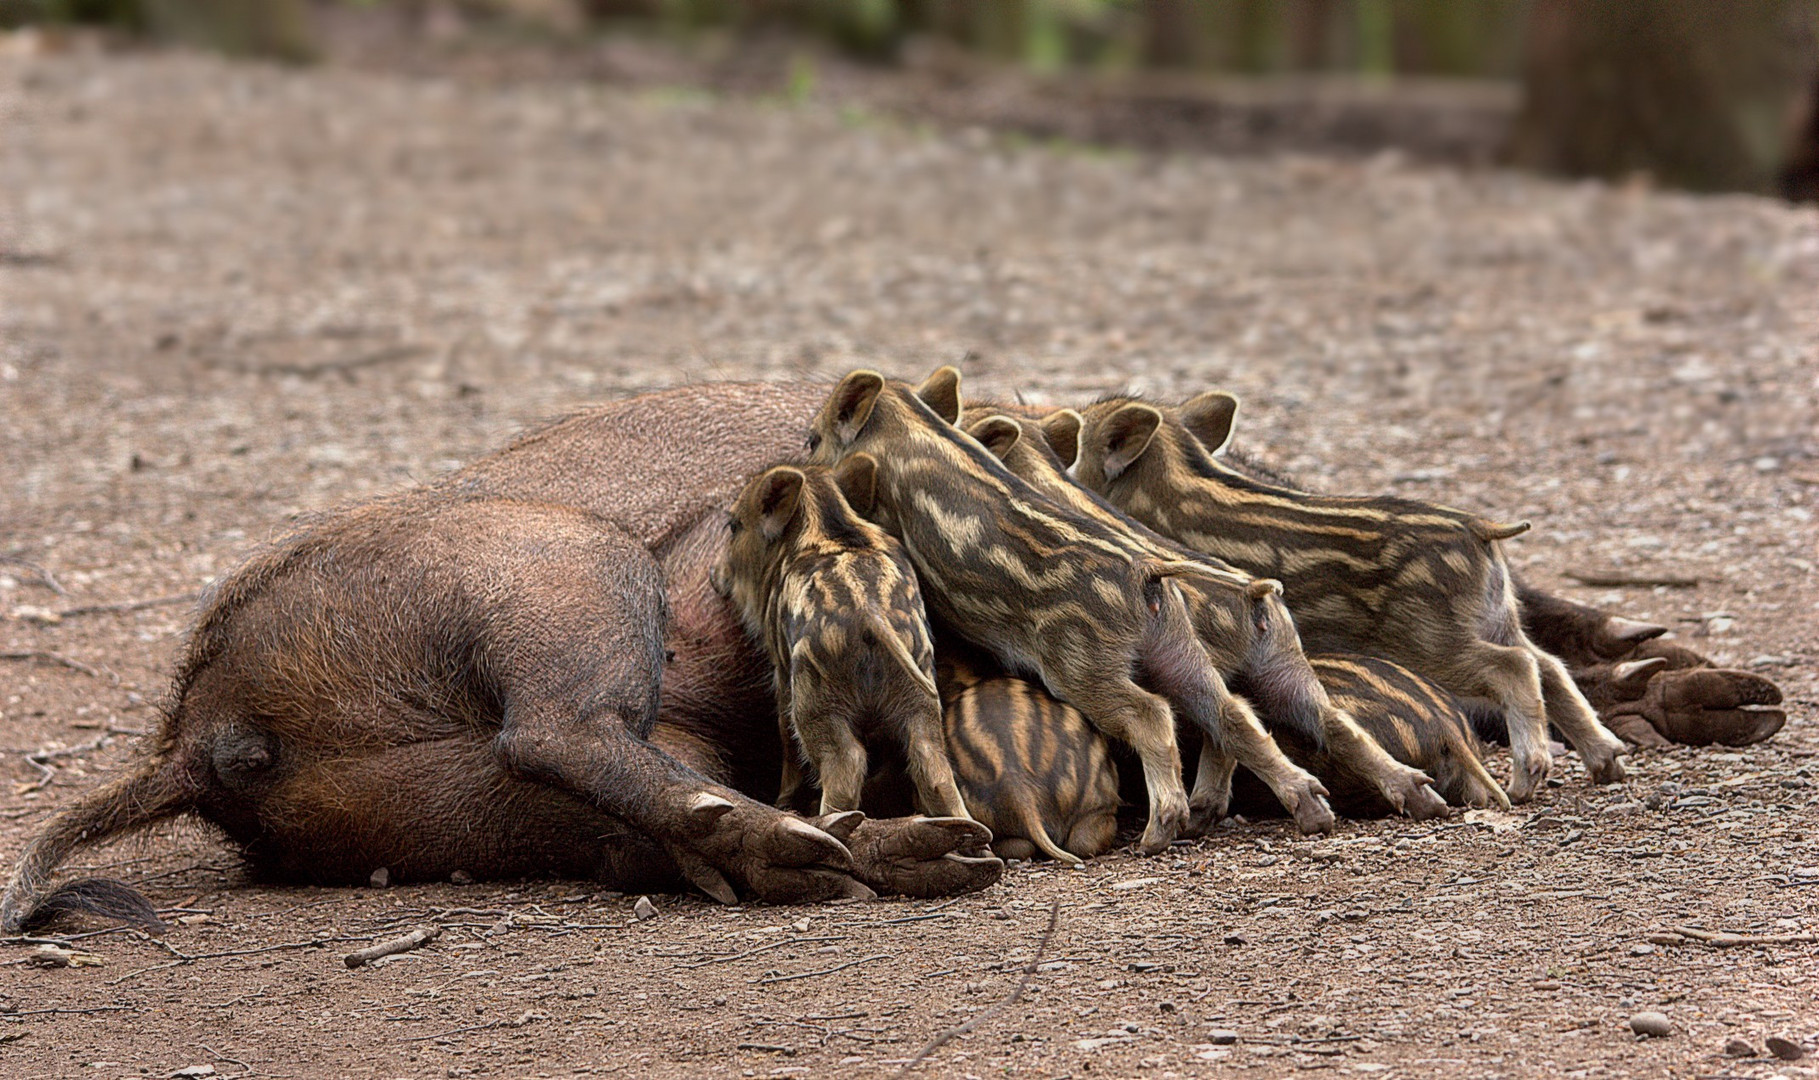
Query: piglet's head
x=866, y=411
x=782, y=509
x=1114, y=441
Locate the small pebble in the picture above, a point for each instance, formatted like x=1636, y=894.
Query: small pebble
x=1651, y=1025
x=1221, y=1037
x=644, y=909
x=1739, y=1048
x=380, y=878
x=1785, y=1049
x=1166, y=1006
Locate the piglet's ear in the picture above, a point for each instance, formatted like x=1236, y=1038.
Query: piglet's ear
x=997, y=434
x=1061, y=430
x=1263, y=587
x=941, y=392
x=779, y=497
x=853, y=402
x=1126, y=434
x=1209, y=417
x=857, y=478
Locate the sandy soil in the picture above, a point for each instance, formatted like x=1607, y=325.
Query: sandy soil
x=232, y=293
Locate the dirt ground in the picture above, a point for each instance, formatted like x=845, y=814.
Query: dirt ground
x=230, y=293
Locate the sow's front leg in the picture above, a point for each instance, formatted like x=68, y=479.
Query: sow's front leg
x=1650, y=691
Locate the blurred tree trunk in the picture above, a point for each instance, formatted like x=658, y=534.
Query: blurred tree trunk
x=1169, y=33
x=275, y=28
x=1707, y=96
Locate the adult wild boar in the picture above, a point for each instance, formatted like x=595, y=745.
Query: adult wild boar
x=519, y=669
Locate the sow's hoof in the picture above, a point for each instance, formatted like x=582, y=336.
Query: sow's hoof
x=744, y=846
x=1663, y=693
x=923, y=856
x=1702, y=706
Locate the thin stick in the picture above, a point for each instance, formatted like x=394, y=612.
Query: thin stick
x=219, y=1056
x=355, y=363
x=1614, y=580
x=50, y=657
x=416, y=939
x=768, y=979
x=1723, y=940
x=67, y=1012
x=44, y=576
x=455, y=1031
x=759, y=949
x=41, y=759
x=1016, y=995
x=127, y=605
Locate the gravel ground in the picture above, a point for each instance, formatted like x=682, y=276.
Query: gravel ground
x=233, y=293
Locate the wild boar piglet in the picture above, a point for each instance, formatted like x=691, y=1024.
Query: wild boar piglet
x=1246, y=630
x=834, y=600
x=1045, y=592
x=1423, y=585
x=1418, y=723
x=1031, y=769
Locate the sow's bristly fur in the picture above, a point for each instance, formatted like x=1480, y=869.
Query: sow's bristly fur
x=394, y=685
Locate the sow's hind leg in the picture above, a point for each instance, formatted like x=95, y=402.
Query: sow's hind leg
x=573, y=651
x=579, y=702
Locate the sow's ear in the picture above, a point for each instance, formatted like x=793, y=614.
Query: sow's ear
x=853, y=402
x=1061, y=430
x=779, y=496
x=997, y=434
x=1209, y=417
x=857, y=478
x=941, y=392
x=1126, y=434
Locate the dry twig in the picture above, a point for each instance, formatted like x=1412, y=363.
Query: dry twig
x=416, y=939
x=762, y=948
x=768, y=979
x=127, y=605
x=1722, y=940
x=44, y=576
x=1016, y=995
x=50, y=657
x=1614, y=580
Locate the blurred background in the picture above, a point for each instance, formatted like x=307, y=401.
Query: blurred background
x=1693, y=94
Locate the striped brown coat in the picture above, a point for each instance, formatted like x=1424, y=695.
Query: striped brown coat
x=835, y=602
x=1420, y=584
x=1244, y=627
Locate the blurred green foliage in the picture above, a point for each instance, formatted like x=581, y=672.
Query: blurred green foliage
x=1441, y=37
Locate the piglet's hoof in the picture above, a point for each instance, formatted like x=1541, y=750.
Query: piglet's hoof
x=734, y=845
x=923, y=856
x=1201, y=817
x=1423, y=803
x=1702, y=706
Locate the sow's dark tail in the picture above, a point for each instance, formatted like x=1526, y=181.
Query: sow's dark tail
x=152, y=793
